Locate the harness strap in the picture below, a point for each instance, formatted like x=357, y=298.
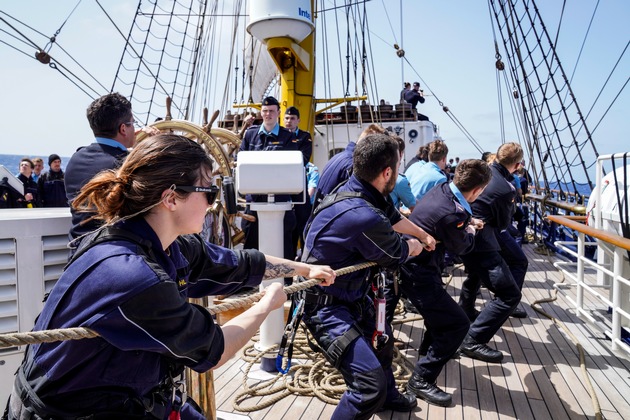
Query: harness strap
x=286, y=344
x=338, y=347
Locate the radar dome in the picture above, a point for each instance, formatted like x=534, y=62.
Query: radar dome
x=280, y=18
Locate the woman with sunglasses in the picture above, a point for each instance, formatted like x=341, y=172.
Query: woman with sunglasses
x=130, y=280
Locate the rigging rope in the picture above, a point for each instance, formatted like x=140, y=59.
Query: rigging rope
x=53, y=38
x=541, y=119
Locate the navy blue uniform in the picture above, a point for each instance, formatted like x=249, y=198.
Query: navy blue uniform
x=495, y=206
x=413, y=97
x=51, y=191
x=83, y=165
x=349, y=232
x=302, y=211
x=337, y=170
x=30, y=186
x=256, y=139
x=137, y=301
x=441, y=214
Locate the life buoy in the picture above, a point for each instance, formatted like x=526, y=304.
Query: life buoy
x=413, y=133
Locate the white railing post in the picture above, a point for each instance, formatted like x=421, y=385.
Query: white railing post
x=616, y=297
x=580, y=272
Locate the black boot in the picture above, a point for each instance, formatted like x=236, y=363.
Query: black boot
x=403, y=402
x=429, y=392
x=518, y=313
x=480, y=351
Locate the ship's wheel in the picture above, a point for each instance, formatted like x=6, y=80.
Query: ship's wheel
x=220, y=228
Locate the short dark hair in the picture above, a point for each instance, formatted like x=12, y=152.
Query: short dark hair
x=373, y=155
x=107, y=113
x=25, y=159
x=470, y=174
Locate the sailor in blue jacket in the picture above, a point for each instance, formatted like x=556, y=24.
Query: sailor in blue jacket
x=351, y=226
x=111, y=120
x=339, y=167
x=485, y=265
x=444, y=212
x=269, y=136
x=130, y=282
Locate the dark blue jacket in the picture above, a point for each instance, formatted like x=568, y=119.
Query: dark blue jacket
x=337, y=170
x=442, y=216
x=413, y=97
x=255, y=140
x=138, y=304
x=30, y=186
x=354, y=231
x=495, y=206
x=83, y=165
x=51, y=191
x=304, y=143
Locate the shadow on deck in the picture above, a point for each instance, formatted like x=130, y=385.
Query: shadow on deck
x=539, y=378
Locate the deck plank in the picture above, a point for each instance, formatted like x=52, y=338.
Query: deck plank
x=539, y=378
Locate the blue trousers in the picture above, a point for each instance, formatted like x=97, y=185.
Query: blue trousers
x=514, y=257
x=367, y=372
x=488, y=268
x=445, y=322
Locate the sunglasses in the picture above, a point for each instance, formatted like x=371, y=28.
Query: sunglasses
x=211, y=192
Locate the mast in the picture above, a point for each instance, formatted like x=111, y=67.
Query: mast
x=287, y=29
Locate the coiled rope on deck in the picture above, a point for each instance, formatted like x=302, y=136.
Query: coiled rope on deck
x=313, y=376
x=79, y=333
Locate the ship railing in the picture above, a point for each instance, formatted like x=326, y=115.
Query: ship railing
x=614, y=282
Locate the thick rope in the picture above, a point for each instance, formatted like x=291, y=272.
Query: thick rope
x=313, y=376
x=78, y=333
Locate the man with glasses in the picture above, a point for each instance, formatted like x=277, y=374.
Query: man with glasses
x=112, y=123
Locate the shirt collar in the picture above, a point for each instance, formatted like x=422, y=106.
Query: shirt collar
x=275, y=131
x=460, y=197
x=110, y=142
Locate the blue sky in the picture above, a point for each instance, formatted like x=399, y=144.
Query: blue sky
x=448, y=44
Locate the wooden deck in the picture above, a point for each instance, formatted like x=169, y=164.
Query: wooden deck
x=540, y=377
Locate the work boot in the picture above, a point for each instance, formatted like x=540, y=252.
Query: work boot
x=518, y=313
x=480, y=351
x=429, y=392
x=402, y=402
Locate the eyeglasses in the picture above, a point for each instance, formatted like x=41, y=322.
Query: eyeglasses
x=211, y=192
x=130, y=122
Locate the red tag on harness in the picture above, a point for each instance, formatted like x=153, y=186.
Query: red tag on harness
x=380, y=315
x=174, y=415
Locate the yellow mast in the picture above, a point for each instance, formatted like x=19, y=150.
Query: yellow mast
x=296, y=64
